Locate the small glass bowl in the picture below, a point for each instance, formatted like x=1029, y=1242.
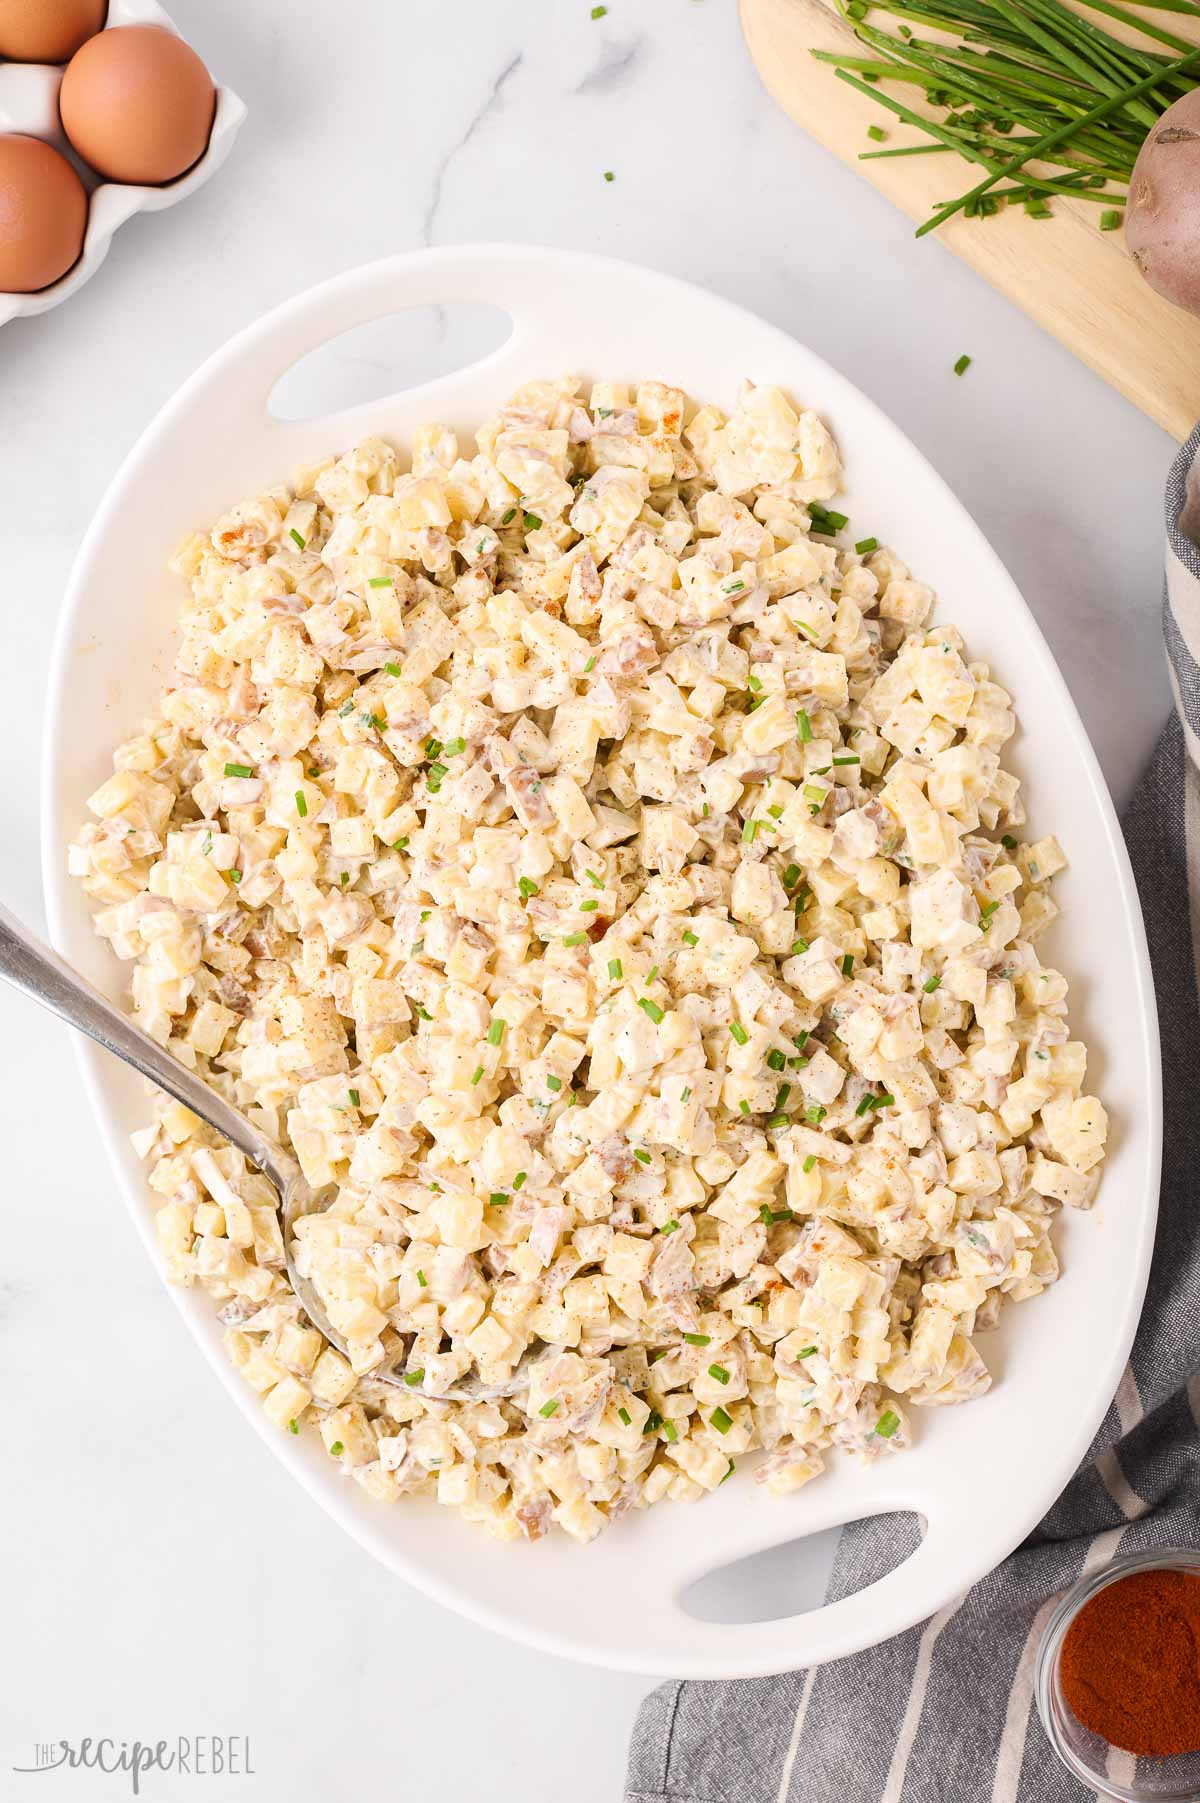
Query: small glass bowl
x=1111, y=1771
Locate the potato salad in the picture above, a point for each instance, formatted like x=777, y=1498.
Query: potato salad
x=587, y=856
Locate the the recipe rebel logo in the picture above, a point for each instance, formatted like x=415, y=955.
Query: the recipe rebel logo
x=192, y=1756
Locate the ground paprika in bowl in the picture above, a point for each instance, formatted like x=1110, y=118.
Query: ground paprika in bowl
x=1118, y=1677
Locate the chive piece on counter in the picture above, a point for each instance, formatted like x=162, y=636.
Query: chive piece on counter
x=609, y=175
x=547, y=1409
x=803, y=727
x=413, y=1378
x=962, y=366
x=355, y=1099
x=477, y=1073
x=887, y=1424
x=422, y=1280
x=1111, y=218
x=301, y=804
x=554, y=1083
x=690, y=938
x=615, y=970
x=738, y=1031
x=644, y=1158
x=930, y=984
x=239, y=770
x=721, y=1421
x=292, y=533
x=698, y=1339
x=876, y=133
x=651, y=1008
x=719, y=1373
x=865, y=546
x=528, y=887
x=496, y=1031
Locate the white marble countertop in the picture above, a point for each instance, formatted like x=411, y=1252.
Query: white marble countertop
x=153, y=1538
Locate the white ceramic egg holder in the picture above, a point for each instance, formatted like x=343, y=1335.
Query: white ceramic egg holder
x=29, y=104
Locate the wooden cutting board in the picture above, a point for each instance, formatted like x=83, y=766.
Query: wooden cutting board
x=1064, y=272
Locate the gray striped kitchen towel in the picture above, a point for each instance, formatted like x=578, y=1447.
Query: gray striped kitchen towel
x=944, y=1713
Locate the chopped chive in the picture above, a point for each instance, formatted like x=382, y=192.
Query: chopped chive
x=454, y=747
x=671, y=1226
x=609, y=176
x=437, y=771
x=651, y=1008
x=235, y=876
x=930, y=984
x=347, y=707
x=719, y=1373
x=393, y=669
x=625, y=1417
x=803, y=727
x=777, y=1121
x=554, y=1083
x=848, y=964
x=754, y=682
x=748, y=832
x=686, y=1096
x=739, y=1032
x=239, y=770
x=477, y=1073
x=519, y=1179
x=744, y=1105
x=670, y=1431
x=547, y=1409
x=865, y=1105
x=292, y=533
x=698, y=1339
x=508, y=518
x=850, y=759
x=589, y=666
x=337, y=1449
x=379, y=582
x=496, y=1031
x=690, y=938
x=865, y=546
x=530, y=522
x=651, y=974
x=791, y=876
x=422, y=1280
x=775, y=1059
x=815, y=1114
x=598, y=12
x=809, y=1162
x=615, y=970
x=887, y=1424
x=1110, y=219
x=301, y=804
x=425, y=1015
x=1008, y=842
x=962, y=366
x=355, y=1099
x=798, y=946
x=528, y=887
x=596, y=881
x=413, y=1378
x=806, y=1352
x=293, y=1427
x=876, y=133
x=644, y=1158
x=653, y=1422
x=588, y=907
x=802, y=1039
x=721, y=1421
x=498, y=1199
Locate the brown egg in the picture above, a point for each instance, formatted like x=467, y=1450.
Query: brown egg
x=43, y=215
x=137, y=104
x=48, y=31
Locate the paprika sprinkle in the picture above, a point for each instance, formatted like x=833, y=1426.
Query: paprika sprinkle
x=1130, y=1663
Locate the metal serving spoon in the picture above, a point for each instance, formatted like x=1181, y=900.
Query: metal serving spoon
x=34, y=969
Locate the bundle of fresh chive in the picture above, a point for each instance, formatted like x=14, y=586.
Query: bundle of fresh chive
x=1042, y=99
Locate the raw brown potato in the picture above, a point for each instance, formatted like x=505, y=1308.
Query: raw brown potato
x=1162, y=220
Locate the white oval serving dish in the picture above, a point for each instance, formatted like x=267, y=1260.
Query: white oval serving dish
x=29, y=104
x=981, y=1475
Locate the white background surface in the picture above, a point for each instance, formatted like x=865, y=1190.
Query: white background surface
x=164, y=1576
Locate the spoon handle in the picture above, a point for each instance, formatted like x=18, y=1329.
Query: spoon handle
x=41, y=974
